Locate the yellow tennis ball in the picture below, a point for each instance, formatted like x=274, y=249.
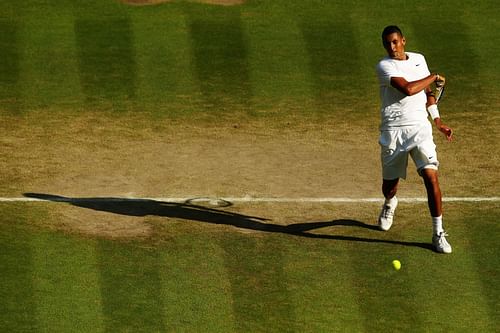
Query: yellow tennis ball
x=396, y=264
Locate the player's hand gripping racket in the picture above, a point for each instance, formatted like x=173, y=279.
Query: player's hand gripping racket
x=440, y=82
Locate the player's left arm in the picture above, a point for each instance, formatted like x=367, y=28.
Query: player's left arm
x=433, y=111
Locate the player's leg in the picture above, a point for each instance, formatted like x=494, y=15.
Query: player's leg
x=439, y=242
x=386, y=217
x=425, y=157
x=434, y=199
x=390, y=188
x=394, y=165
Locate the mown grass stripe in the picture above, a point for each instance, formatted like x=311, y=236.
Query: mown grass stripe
x=107, y=64
x=46, y=82
x=482, y=247
x=17, y=303
x=129, y=280
x=66, y=280
x=10, y=48
x=165, y=77
x=258, y=286
x=327, y=41
x=221, y=65
x=194, y=284
x=279, y=61
x=321, y=280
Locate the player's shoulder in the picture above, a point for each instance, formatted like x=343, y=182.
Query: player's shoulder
x=384, y=62
x=385, y=59
x=414, y=56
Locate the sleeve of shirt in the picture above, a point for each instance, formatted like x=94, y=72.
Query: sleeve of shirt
x=426, y=68
x=386, y=70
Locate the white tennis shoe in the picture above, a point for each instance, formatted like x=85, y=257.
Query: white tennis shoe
x=440, y=244
x=386, y=216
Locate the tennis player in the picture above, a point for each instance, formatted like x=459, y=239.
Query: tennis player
x=407, y=98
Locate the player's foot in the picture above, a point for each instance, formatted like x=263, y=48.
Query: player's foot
x=387, y=214
x=440, y=244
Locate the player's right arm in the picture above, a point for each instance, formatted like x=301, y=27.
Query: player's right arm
x=413, y=87
x=389, y=74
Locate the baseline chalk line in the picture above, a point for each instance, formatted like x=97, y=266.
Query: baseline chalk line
x=215, y=200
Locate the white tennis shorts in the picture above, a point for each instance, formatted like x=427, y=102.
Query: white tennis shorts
x=397, y=144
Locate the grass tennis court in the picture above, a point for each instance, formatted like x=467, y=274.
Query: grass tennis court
x=103, y=100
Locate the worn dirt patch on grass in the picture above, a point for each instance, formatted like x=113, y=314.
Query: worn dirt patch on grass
x=94, y=155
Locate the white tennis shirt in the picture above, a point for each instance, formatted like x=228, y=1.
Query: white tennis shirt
x=397, y=109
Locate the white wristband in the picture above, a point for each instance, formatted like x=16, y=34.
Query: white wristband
x=433, y=111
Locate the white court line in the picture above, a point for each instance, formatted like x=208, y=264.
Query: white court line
x=247, y=199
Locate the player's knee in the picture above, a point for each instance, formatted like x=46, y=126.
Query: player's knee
x=429, y=170
x=430, y=176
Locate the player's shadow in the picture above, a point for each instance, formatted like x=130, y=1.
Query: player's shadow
x=189, y=210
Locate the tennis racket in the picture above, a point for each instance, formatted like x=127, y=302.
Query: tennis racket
x=440, y=84
x=439, y=93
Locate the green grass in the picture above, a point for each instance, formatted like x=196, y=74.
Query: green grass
x=268, y=59
x=196, y=276
x=263, y=57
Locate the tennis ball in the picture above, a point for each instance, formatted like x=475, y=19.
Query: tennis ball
x=396, y=264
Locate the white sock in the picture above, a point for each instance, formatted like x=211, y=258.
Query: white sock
x=389, y=202
x=437, y=225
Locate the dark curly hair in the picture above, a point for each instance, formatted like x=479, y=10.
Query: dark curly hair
x=390, y=29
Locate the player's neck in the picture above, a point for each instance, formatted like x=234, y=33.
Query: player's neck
x=400, y=56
